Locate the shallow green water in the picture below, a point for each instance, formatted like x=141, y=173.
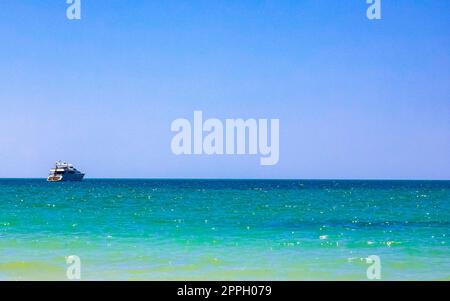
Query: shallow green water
x=214, y=230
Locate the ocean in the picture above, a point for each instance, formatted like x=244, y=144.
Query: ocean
x=224, y=229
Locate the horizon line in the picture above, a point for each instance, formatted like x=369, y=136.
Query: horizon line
x=242, y=179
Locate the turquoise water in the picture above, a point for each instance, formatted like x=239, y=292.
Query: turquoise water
x=224, y=230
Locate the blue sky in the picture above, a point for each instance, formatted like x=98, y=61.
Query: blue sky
x=355, y=98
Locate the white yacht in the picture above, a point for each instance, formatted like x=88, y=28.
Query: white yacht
x=64, y=172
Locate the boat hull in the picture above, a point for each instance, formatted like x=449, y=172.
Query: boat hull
x=66, y=178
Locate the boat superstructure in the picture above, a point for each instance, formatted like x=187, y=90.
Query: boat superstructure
x=64, y=172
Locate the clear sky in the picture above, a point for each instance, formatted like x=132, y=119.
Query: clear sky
x=355, y=98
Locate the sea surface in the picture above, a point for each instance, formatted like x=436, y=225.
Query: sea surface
x=224, y=229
